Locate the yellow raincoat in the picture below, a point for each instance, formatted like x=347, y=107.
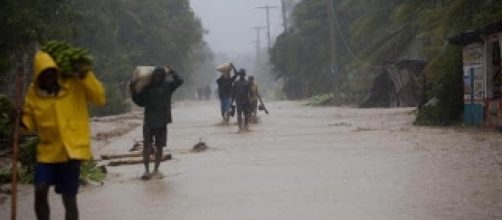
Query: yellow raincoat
x=61, y=122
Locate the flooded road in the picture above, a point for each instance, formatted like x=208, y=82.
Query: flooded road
x=298, y=163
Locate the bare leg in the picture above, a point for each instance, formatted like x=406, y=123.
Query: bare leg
x=246, y=121
x=70, y=204
x=42, y=209
x=239, y=117
x=158, y=158
x=146, y=160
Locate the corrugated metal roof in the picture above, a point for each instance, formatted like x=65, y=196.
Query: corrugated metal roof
x=475, y=35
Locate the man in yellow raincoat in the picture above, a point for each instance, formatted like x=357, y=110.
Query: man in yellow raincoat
x=56, y=108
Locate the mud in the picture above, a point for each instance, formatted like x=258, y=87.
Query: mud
x=301, y=163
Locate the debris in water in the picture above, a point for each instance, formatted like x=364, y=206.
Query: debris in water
x=199, y=147
x=138, y=145
x=118, y=156
x=138, y=160
x=341, y=124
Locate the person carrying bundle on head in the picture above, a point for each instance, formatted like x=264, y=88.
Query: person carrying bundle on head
x=225, y=82
x=155, y=97
x=56, y=109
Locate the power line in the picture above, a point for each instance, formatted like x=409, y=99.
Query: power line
x=284, y=16
x=267, y=10
x=349, y=49
x=258, y=42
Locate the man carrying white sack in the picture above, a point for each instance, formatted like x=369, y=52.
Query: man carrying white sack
x=156, y=99
x=225, y=90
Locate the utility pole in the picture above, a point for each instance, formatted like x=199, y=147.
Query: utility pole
x=332, y=35
x=284, y=16
x=267, y=10
x=258, y=42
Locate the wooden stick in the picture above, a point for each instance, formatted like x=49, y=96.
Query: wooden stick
x=117, y=156
x=15, y=140
x=131, y=161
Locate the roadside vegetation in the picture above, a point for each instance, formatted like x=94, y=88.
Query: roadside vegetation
x=370, y=34
x=118, y=34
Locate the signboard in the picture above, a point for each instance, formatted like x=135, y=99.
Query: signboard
x=474, y=83
x=473, y=54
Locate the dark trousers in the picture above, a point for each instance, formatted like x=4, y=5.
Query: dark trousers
x=243, y=109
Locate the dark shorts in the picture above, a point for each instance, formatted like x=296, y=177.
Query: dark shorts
x=65, y=176
x=155, y=136
x=243, y=108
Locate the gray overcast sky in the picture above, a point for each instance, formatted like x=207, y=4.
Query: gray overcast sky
x=229, y=23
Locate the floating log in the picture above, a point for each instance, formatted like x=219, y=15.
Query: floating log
x=117, y=156
x=138, y=160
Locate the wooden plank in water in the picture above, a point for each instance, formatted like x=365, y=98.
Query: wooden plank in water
x=117, y=156
x=137, y=160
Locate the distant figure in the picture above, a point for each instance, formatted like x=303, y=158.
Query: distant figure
x=56, y=108
x=253, y=99
x=225, y=93
x=156, y=99
x=241, y=91
x=200, y=93
x=207, y=92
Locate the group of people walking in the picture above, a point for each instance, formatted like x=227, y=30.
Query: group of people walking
x=56, y=109
x=241, y=91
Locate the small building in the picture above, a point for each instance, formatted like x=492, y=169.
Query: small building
x=482, y=74
x=398, y=85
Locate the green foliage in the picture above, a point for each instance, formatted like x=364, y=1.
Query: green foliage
x=24, y=22
x=299, y=57
x=69, y=59
x=119, y=34
x=321, y=99
x=27, y=158
x=90, y=171
x=5, y=175
x=371, y=34
x=447, y=87
x=116, y=103
x=6, y=107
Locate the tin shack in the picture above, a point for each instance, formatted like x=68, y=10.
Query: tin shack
x=482, y=75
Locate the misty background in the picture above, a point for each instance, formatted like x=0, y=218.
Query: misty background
x=228, y=30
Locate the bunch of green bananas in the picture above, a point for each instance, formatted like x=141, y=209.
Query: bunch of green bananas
x=69, y=59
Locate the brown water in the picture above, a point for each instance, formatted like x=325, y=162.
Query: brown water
x=298, y=163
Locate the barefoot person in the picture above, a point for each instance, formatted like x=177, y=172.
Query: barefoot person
x=225, y=92
x=156, y=99
x=56, y=108
x=253, y=99
x=241, y=91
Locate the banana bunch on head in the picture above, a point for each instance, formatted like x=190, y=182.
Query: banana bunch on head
x=70, y=60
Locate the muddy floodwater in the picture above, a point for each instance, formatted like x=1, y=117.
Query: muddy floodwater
x=298, y=163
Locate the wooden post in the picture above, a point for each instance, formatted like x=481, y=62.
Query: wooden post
x=284, y=16
x=267, y=10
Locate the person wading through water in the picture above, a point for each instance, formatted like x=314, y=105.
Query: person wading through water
x=253, y=99
x=241, y=91
x=56, y=109
x=156, y=99
x=225, y=92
